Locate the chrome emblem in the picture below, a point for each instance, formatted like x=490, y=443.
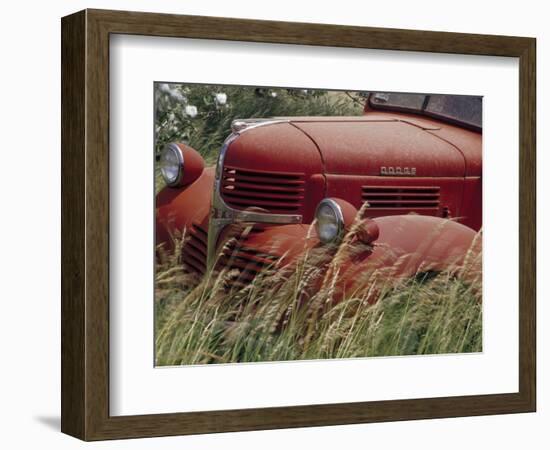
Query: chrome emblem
x=398, y=171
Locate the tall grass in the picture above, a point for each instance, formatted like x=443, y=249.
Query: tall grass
x=280, y=316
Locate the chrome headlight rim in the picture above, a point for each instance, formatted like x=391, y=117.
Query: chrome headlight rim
x=339, y=216
x=172, y=147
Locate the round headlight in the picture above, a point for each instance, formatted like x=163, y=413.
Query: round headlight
x=171, y=164
x=330, y=221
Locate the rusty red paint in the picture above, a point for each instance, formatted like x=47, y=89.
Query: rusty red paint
x=178, y=208
x=193, y=164
x=289, y=167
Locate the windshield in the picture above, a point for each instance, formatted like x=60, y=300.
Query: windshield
x=460, y=109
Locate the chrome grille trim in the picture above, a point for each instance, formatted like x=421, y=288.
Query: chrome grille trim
x=221, y=214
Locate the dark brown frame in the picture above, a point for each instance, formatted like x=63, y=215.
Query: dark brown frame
x=85, y=224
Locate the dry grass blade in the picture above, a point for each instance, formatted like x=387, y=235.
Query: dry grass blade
x=275, y=318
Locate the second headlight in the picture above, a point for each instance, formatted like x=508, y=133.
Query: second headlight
x=330, y=221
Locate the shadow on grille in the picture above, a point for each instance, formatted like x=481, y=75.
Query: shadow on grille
x=277, y=192
x=194, y=249
x=243, y=264
x=401, y=197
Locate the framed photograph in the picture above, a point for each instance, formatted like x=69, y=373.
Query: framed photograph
x=272, y=225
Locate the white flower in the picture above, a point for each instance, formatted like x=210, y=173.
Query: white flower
x=221, y=98
x=163, y=87
x=191, y=111
x=274, y=94
x=178, y=96
x=171, y=117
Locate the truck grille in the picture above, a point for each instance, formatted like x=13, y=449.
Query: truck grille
x=401, y=197
x=245, y=263
x=194, y=250
x=276, y=192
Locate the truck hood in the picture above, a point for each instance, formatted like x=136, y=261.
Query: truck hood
x=369, y=146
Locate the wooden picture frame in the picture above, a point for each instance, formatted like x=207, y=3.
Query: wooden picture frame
x=85, y=224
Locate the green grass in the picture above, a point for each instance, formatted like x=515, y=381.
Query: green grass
x=277, y=318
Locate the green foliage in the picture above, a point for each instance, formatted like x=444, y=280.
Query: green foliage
x=201, y=115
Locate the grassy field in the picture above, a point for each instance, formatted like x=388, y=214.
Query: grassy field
x=278, y=317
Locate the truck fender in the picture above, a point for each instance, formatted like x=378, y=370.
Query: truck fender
x=411, y=244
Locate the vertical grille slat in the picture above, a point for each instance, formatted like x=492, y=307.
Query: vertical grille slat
x=195, y=249
x=277, y=192
x=401, y=197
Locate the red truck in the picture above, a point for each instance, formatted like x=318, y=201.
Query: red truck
x=412, y=164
